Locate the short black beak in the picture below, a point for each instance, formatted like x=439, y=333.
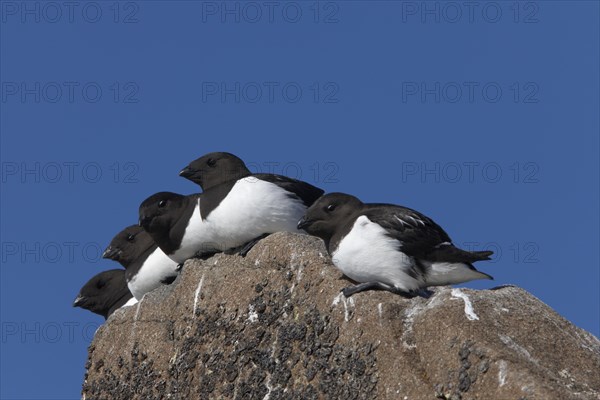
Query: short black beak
x=304, y=223
x=78, y=300
x=143, y=220
x=186, y=172
x=110, y=252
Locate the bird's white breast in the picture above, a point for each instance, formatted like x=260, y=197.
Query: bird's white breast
x=130, y=302
x=196, y=238
x=157, y=267
x=251, y=208
x=368, y=254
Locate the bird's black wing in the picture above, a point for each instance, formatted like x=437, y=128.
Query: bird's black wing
x=420, y=237
x=304, y=191
x=418, y=234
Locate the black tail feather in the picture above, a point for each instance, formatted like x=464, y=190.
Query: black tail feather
x=450, y=253
x=483, y=255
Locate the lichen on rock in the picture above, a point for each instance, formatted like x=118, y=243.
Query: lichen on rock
x=273, y=325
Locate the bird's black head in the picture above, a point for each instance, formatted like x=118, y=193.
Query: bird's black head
x=328, y=213
x=213, y=169
x=128, y=245
x=102, y=293
x=158, y=212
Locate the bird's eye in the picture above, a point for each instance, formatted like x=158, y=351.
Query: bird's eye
x=130, y=238
x=331, y=207
x=100, y=284
x=211, y=162
x=162, y=203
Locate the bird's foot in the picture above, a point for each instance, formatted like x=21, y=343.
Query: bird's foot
x=204, y=255
x=248, y=246
x=425, y=293
x=361, y=287
x=168, y=280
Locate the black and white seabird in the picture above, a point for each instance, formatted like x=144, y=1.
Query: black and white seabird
x=243, y=207
x=174, y=222
x=105, y=293
x=147, y=267
x=388, y=247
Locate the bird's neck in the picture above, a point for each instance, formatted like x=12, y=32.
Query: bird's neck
x=227, y=176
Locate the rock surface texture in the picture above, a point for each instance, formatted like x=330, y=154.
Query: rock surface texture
x=274, y=325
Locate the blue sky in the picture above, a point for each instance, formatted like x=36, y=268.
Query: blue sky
x=483, y=117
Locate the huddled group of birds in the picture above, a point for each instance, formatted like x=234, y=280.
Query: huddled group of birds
x=377, y=246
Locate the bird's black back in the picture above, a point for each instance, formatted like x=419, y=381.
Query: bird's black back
x=303, y=190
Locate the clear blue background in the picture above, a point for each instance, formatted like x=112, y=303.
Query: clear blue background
x=364, y=130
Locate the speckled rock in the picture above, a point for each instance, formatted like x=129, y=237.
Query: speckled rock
x=274, y=325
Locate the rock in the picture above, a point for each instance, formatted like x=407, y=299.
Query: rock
x=274, y=325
